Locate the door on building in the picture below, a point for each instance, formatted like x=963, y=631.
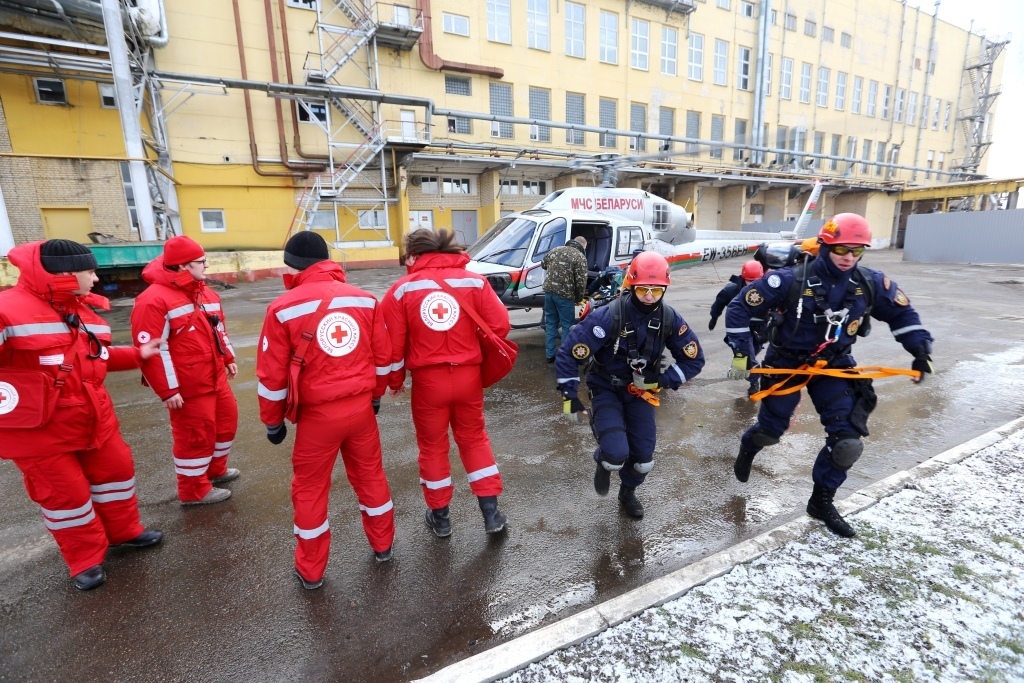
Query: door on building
x=402, y=15
x=408, y=125
x=421, y=219
x=67, y=222
x=464, y=226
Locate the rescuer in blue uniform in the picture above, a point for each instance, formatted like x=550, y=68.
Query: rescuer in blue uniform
x=818, y=309
x=752, y=270
x=621, y=345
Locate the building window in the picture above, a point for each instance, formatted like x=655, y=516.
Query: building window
x=501, y=105
x=925, y=101
x=773, y=18
x=607, y=119
x=949, y=113
x=912, y=109
x=50, y=91
x=459, y=125
x=457, y=85
x=805, y=83
x=828, y=35
x=430, y=185
x=717, y=135
x=743, y=68
x=940, y=162
x=370, y=219
x=312, y=112
x=692, y=131
x=865, y=154
x=608, y=47
x=669, y=50
x=499, y=21
x=509, y=187
x=810, y=28
x=108, y=100
x=833, y=163
x=640, y=41
x=935, y=114
x=721, y=61
x=786, y=87
x=324, y=219
x=819, y=148
x=880, y=158
x=575, y=30
x=869, y=108
x=931, y=161
x=768, y=75
x=840, y=90
x=212, y=220
x=740, y=138
x=746, y=9
x=845, y=40
x=780, y=143
x=540, y=108
x=129, y=195
x=695, y=68
x=886, y=101
x=858, y=86
x=535, y=187
x=456, y=186
x=824, y=75
x=666, y=126
x=897, y=113
x=851, y=153
x=456, y=23
x=575, y=108
x=638, y=124
x=724, y=4
x=538, y=25
x=790, y=22
x=302, y=4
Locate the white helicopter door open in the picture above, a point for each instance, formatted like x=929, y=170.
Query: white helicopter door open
x=552, y=234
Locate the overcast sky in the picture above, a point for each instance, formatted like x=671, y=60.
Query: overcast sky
x=995, y=18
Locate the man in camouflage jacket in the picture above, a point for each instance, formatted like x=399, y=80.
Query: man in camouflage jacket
x=565, y=285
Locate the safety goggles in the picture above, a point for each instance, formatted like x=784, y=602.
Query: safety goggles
x=843, y=250
x=643, y=290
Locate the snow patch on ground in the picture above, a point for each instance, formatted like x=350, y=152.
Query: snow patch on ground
x=930, y=589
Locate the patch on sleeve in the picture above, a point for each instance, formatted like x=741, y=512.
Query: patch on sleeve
x=599, y=332
x=774, y=281
x=901, y=298
x=143, y=337
x=266, y=343
x=886, y=282
x=691, y=349
x=852, y=328
x=684, y=329
x=581, y=352
x=753, y=298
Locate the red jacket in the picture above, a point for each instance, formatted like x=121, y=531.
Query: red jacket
x=349, y=353
x=426, y=323
x=34, y=335
x=178, y=308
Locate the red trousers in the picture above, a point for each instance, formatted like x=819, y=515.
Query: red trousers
x=444, y=395
x=322, y=429
x=87, y=498
x=203, y=430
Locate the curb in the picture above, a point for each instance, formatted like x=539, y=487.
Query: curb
x=507, y=658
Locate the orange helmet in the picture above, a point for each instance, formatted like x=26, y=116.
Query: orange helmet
x=846, y=228
x=648, y=268
x=752, y=270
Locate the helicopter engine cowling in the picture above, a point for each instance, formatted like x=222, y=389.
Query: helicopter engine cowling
x=672, y=224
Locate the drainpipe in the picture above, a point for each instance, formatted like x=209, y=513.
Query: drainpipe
x=288, y=74
x=895, y=93
x=757, y=134
x=248, y=107
x=927, y=80
x=437, y=63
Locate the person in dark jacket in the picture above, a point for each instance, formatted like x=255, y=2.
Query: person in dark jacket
x=565, y=285
x=752, y=270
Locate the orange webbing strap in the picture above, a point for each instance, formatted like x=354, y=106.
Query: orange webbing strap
x=644, y=394
x=808, y=371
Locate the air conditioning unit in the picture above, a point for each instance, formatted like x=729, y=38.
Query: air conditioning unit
x=535, y=133
x=495, y=129
x=634, y=143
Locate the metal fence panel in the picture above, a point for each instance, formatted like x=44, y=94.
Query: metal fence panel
x=965, y=237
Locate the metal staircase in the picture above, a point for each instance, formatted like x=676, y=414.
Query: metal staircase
x=974, y=120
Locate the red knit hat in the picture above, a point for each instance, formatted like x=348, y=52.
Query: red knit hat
x=180, y=250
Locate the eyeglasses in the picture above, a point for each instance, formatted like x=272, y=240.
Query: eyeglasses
x=642, y=290
x=199, y=260
x=843, y=250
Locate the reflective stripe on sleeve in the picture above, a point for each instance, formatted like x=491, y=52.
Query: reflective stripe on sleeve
x=99, y=329
x=482, y=474
x=180, y=311
x=81, y=521
x=465, y=282
x=383, y=370
x=353, y=302
x=908, y=328
x=433, y=485
x=736, y=330
x=297, y=311
x=563, y=380
x=414, y=285
x=30, y=329
x=165, y=357
x=375, y=512
x=398, y=366
x=271, y=394
x=679, y=370
x=211, y=307
x=307, y=534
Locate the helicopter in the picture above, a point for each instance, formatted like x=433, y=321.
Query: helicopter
x=616, y=222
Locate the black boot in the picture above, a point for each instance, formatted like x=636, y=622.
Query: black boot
x=439, y=523
x=384, y=555
x=309, y=585
x=602, y=480
x=820, y=506
x=632, y=506
x=92, y=577
x=145, y=539
x=743, y=463
x=494, y=519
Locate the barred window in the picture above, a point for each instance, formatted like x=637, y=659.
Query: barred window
x=666, y=126
x=740, y=138
x=608, y=115
x=540, y=108
x=833, y=164
x=457, y=85
x=692, y=131
x=638, y=124
x=501, y=105
x=575, y=108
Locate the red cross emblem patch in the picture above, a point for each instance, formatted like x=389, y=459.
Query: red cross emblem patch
x=337, y=334
x=439, y=311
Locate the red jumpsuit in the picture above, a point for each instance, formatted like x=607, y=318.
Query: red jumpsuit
x=433, y=338
x=76, y=467
x=347, y=364
x=192, y=363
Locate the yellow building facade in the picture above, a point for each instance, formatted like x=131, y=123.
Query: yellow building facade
x=392, y=116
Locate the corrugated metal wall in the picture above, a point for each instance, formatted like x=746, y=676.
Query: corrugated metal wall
x=965, y=237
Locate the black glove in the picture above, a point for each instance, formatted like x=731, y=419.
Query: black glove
x=276, y=433
x=922, y=364
x=376, y=405
x=711, y=325
x=576, y=405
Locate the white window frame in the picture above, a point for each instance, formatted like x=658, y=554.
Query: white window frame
x=36, y=82
x=805, y=82
x=743, y=59
x=538, y=25
x=213, y=212
x=608, y=45
x=639, y=44
x=572, y=36
x=722, y=4
x=315, y=114
x=430, y=184
x=935, y=115
x=106, y=91
x=695, y=57
x=768, y=74
x=870, y=105
x=316, y=221
x=912, y=109
x=509, y=187
x=946, y=117
x=840, y=102
x=745, y=9
x=462, y=187
x=721, y=67
x=534, y=188
x=790, y=21
x=302, y=4
x=824, y=79
x=453, y=24
x=372, y=219
x=855, y=100
x=845, y=40
x=499, y=21
x=786, y=79
x=669, y=51
x=897, y=112
x=828, y=34
x=129, y=196
x=886, y=101
x=810, y=27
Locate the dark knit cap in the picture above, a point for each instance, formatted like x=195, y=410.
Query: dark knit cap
x=66, y=256
x=304, y=249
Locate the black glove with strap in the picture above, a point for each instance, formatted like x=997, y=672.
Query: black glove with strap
x=376, y=405
x=575, y=405
x=276, y=433
x=923, y=364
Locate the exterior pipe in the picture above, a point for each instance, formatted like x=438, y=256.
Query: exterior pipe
x=248, y=107
x=927, y=81
x=296, y=139
x=757, y=134
x=431, y=60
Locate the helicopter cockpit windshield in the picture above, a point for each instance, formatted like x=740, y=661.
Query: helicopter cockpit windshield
x=506, y=243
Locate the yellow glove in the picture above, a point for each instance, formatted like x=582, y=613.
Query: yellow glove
x=738, y=370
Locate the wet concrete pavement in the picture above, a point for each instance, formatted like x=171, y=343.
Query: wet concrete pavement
x=218, y=601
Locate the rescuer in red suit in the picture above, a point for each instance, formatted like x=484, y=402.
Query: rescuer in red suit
x=75, y=464
x=437, y=342
x=191, y=373
x=324, y=354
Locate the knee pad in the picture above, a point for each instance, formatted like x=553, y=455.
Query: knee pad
x=610, y=466
x=643, y=467
x=761, y=439
x=845, y=452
